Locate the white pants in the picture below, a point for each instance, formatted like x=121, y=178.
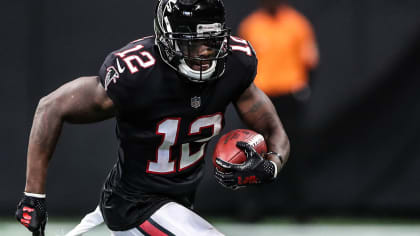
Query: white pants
x=171, y=219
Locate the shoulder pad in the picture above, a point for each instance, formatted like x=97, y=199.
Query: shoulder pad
x=241, y=45
x=125, y=69
x=132, y=60
x=244, y=52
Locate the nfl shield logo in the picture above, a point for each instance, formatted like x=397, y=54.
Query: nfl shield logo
x=195, y=102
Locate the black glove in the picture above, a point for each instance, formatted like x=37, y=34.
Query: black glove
x=32, y=213
x=254, y=170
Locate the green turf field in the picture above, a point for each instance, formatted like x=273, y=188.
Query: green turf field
x=270, y=228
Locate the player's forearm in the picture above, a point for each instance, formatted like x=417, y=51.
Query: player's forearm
x=46, y=128
x=277, y=141
x=276, y=138
x=258, y=112
x=267, y=123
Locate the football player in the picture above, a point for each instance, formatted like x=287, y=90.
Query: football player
x=168, y=93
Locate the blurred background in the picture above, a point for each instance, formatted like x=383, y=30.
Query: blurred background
x=355, y=138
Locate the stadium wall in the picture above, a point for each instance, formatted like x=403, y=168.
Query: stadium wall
x=359, y=151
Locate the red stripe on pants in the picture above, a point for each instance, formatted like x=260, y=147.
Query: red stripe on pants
x=151, y=229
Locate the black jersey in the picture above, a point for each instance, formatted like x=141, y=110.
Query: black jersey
x=164, y=122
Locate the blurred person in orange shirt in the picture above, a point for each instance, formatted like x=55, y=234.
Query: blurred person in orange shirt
x=287, y=51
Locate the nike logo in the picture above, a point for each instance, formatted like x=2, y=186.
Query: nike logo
x=120, y=69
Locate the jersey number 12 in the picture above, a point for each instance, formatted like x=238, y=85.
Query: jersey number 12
x=169, y=130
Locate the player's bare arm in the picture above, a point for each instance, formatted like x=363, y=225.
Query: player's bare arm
x=82, y=100
x=258, y=112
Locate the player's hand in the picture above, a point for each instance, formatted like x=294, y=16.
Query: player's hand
x=32, y=213
x=254, y=170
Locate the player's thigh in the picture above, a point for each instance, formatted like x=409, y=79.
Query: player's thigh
x=176, y=219
x=172, y=219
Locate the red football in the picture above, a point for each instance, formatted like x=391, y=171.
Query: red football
x=226, y=146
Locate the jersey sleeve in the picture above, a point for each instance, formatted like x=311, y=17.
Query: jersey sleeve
x=124, y=71
x=253, y=65
x=248, y=66
x=115, y=79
